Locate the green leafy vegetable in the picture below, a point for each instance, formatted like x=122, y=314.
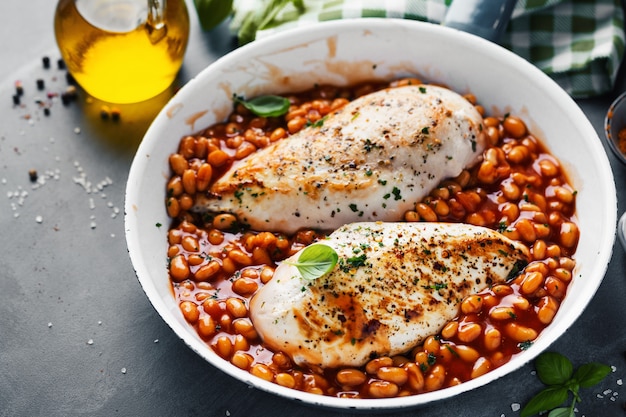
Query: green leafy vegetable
x=557, y=372
x=315, y=261
x=265, y=106
x=212, y=12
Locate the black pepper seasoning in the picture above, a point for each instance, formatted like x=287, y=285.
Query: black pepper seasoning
x=32, y=174
x=46, y=111
x=16, y=99
x=40, y=84
x=61, y=64
x=46, y=62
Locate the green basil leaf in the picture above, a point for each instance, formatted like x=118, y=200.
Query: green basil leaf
x=562, y=412
x=591, y=374
x=553, y=368
x=316, y=261
x=266, y=106
x=212, y=12
x=547, y=399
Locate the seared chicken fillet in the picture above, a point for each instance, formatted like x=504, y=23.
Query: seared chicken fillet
x=369, y=161
x=394, y=285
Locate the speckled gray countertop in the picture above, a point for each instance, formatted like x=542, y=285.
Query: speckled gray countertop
x=77, y=334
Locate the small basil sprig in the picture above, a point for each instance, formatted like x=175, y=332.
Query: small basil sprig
x=265, y=106
x=315, y=261
x=557, y=372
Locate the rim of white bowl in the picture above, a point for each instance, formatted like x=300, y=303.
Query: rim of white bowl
x=294, y=36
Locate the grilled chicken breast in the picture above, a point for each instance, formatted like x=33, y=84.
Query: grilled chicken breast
x=369, y=161
x=394, y=285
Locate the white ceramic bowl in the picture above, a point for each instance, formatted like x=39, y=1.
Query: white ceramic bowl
x=346, y=52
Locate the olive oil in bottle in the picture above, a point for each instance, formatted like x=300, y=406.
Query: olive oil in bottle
x=122, y=51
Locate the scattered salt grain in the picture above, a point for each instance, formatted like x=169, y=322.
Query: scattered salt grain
x=620, y=382
x=39, y=219
x=92, y=225
x=77, y=130
x=90, y=342
x=92, y=205
x=515, y=407
x=156, y=340
x=49, y=325
x=123, y=370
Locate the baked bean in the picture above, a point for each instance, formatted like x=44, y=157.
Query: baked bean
x=175, y=186
x=562, y=274
x=441, y=208
x=539, y=249
x=282, y=361
x=435, y=378
x=431, y=344
x=351, y=377
x=546, y=309
x=476, y=219
x=469, y=332
x=179, y=268
x=510, y=190
x=426, y=213
x=218, y=158
x=375, y=364
x=206, y=326
x=555, y=287
x=228, y=266
x=568, y=235
x=412, y=216
x=207, y=271
x=502, y=313
x=185, y=202
x=203, y=177
x=415, y=378
x=526, y=230
x=173, y=207
x=502, y=290
x=467, y=353
x=472, y=304
x=245, y=286
x=236, y=307
x=244, y=150
x=567, y=263
x=262, y=371
x=383, y=389
x=190, y=311
x=241, y=343
x=520, y=333
x=223, y=347
x=212, y=307
x=286, y=380
x=481, y=367
x=241, y=360
x=487, y=173
x=492, y=338
x=178, y=163
x=244, y=327
x=449, y=330
x=190, y=244
x=394, y=374
x=493, y=135
x=531, y=282
x=514, y=127
x=240, y=257
x=548, y=168
x=172, y=251
x=224, y=221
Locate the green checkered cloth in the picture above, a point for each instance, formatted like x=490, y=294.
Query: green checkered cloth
x=579, y=43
